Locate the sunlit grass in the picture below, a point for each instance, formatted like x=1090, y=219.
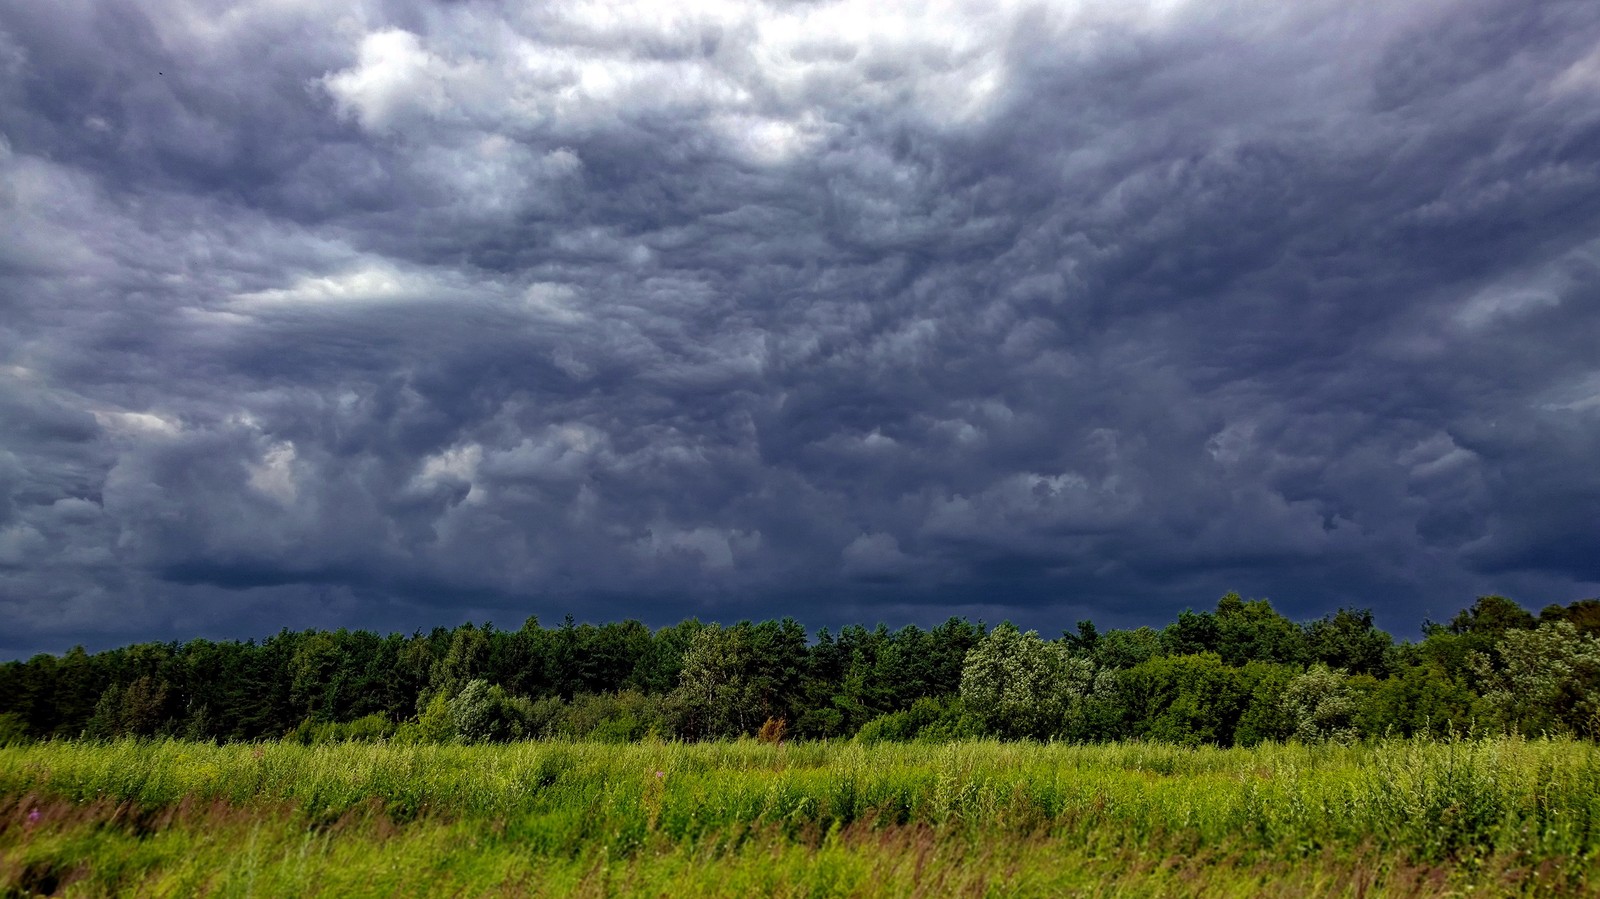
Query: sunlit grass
x=746, y=818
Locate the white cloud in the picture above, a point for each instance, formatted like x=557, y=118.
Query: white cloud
x=137, y=424
x=455, y=465
x=875, y=555
x=393, y=75
x=713, y=549
x=370, y=281
x=274, y=474
x=772, y=81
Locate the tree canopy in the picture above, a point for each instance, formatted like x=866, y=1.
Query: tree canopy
x=1239, y=673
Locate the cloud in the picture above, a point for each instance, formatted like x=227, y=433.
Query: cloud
x=399, y=313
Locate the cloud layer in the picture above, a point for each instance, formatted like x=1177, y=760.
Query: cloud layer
x=390, y=314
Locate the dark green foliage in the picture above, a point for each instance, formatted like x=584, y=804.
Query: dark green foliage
x=1252, y=631
x=624, y=717
x=929, y=720
x=1125, y=649
x=1265, y=717
x=367, y=729
x=1188, y=699
x=1491, y=616
x=1349, y=640
x=1084, y=641
x=13, y=730
x=1193, y=633
x=1242, y=674
x=819, y=724
x=1420, y=699
x=1584, y=615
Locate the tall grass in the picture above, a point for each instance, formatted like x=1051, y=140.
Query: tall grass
x=582, y=814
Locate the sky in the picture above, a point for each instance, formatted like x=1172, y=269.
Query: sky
x=398, y=314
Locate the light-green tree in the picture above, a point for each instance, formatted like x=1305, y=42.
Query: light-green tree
x=1547, y=679
x=716, y=696
x=1322, y=705
x=1022, y=686
x=485, y=713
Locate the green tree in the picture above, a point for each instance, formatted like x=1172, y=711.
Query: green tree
x=1127, y=648
x=138, y=709
x=610, y=656
x=312, y=675
x=78, y=684
x=1022, y=686
x=1547, y=680
x=1252, y=631
x=1423, y=698
x=715, y=696
x=1348, y=639
x=1583, y=614
x=13, y=730
x=466, y=659
x=1193, y=633
x=1492, y=616
x=1189, y=700
x=1265, y=715
x=436, y=722
x=485, y=713
x=1322, y=705
x=658, y=670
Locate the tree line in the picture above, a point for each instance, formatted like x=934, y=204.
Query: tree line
x=1238, y=675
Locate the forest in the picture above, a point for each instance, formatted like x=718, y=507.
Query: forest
x=1239, y=675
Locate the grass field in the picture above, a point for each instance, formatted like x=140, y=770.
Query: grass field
x=1483, y=817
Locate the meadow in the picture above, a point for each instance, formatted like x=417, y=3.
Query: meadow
x=1416, y=817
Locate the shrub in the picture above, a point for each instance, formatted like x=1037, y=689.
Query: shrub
x=929, y=720
x=624, y=717
x=1021, y=686
x=1188, y=700
x=13, y=730
x=819, y=724
x=1322, y=706
x=484, y=713
x=772, y=730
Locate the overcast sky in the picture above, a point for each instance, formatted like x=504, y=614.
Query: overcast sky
x=395, y=314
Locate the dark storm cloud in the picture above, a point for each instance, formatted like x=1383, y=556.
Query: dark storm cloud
x=400, y=313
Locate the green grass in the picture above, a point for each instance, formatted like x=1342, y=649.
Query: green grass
x=1495, y=817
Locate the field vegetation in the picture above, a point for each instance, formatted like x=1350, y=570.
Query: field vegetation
x=1232, y=752
x=1240, y=675
x=1417, y=817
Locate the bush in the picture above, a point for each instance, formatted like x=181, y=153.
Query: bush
x=1188, y=700
x=929, y=720
x=13, y=730
x=1020, y=685
x=1267, y=716
x=435, y=724
x=374, y=728
x=1322, y=706
x=484, y=713
x=819, y=724
x=624, y=717
x=773, y=730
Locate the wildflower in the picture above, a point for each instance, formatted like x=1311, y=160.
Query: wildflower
x=33, y=817
x=661, y=774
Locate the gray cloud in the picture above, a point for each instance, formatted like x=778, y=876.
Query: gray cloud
x=400, y=313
